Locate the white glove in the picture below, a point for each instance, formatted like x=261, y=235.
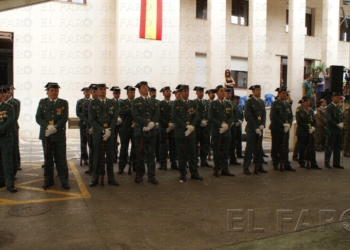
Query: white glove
x=286, y=127
x=189, y=130
x=107, y=134
x=311, y=130
x=90, y=131
x=171, y=126
x=119, y=121
x=258, y=131
x=341, y=125
x=145, y=129
x=157, y=125
x=52, y=129
x=47, y=133
x=132, y=125
x=223, y=128
x=204, y=123
x=261, y=127
x=150, y=125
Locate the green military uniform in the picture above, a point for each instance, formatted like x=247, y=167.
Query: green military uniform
x=239, y=116
x=255, y=115
x=145, y=111
x=185, y=115
x=296, y=148
x=82, y=129
x=7, y=123
x=126, y=134
x=306, y=140
x=232, y=148
x=16, y=137
x=206, y=106
x=103, y=116
x=334, y=117
x=280, y=115
x=220, y=113
x=320, y=138
x=346, y=142
x=117, y=132
x=202, y=132
x=166, y=134
x=85, y=118
x=53, y=112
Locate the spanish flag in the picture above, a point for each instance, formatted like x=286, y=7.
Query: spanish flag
x=151, y=19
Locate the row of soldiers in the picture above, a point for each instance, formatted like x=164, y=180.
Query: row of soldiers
x=9, y=141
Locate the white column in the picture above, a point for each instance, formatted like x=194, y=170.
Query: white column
x=330, y=32
x=296, y=48
x=258, y=68
x=219, y=59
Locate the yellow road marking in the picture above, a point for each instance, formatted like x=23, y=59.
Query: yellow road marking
x=25, y=183
x=49, y=191
x=85, y=193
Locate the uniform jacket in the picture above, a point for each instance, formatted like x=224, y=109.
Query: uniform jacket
x=280, y=114
x=202, y=111
x=7, y=119
x=17, y=107
x=85, y=113
x=334, y=116
x=144, y=112
x=347, y=118
x=79, y=110
x=255, y=114
x=102, y=116
x=321, y=117
x=124, y=112
x=52, y=114
x=165, y=115
x=184, y=114
x=305, y=120
x=239, y=113
x=220, y=113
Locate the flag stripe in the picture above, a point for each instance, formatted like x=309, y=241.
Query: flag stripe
x=143, y=18
x=151, y=19
x=159, y=19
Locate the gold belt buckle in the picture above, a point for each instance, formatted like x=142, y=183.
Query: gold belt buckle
x=148, y=120
x=170, y=121
x=224, y=122
x=105, y=125
x=52, y=122
x=187, y=123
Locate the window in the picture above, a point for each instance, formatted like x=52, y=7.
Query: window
x=73, y=1
x=284, y=72
x=240, y=11
x=201, y=70
x=308, y=22
x=344, y=30
x=201, y=9
x=241, y=78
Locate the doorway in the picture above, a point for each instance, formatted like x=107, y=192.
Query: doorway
x=6, y=58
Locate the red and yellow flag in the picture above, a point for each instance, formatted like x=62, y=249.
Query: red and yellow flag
x=151, y=19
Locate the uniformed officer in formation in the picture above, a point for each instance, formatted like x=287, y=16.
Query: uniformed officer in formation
x=153, y=94
x=211, y=97
x=103, y=114
x=185, y=116
x=82, y=125
x=239, y=117
x=202, y=128
x=320, y=138
x=296, y=147
x=335, y=126
x=177, y=94
x=52, y=116
x=85, y=117
x=281, y=117
x=7, y=124
x=116, y=98
x=255, y=116
x=145, y=111
x=221, y=117
x=126, y=131
x=346, y=147
x=166, y=131
x=305, y=132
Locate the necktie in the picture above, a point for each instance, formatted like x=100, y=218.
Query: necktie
x=52, y=102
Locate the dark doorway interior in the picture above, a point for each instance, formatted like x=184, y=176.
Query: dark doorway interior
x=6, y=58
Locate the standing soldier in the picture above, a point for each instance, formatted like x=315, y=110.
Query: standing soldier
x=116, y=99
x=255, y=116
x=239, y=120
x=166, y=131
x=185, y=115
x=306, y=141
x=177, y=94
x=202, y=130
x=16, y=136
x=347, y=131
x=296, y=147
x=103, y=114
x=52, y=116
x=335, y=125
x=145, y=111
x=126, y=131
x=7, y=123
x=211, y=97
x=281, y=121
x=232, y=147
x=153, y=94
x=220, y=115
x=321, y=122
x=82, y=125
x=93, y=94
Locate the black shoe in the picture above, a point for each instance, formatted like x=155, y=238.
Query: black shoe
x=88, y=172
x=338, y=166
x=14, y=178
x=326, y=165
x=289, y=169
x=2, y=185
x=196, y=177
x=302, y=165
x=316, y=167
x=153, y=181
x=265, y=155
x=295, y=159
x=46, y=186
x=235, y=163
x=66, y=186
x=227, y=173
x=12, y=189
x=262, y=171
x=182, y=178
x=86, y=163
x=92, y=184
x=246, y=171
x=113, y=183
x=205, y=164
x=140, y=179
x=174, y=166
x=346, y=154
x=19, y=168
x=120, y=172
x=240, y=156
x=264, y=162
